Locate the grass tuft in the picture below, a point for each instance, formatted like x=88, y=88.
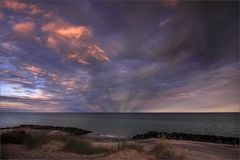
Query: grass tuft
x=164, y=151
x=126, y=145
x=38, y=140
x=35, y=141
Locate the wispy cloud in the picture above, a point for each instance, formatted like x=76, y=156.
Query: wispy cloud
x=90, y=56
x=73, y=41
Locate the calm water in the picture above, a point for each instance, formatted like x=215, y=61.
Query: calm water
x=221, y=124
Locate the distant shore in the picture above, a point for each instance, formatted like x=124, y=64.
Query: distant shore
x=147, y=135
x=53, y=142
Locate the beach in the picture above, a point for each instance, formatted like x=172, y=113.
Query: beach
x=110, y=148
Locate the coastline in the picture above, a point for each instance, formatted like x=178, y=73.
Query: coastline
x=54, y=148
x=147, y=135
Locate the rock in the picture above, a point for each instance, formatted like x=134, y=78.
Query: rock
x=191, y=137
x=74, y=131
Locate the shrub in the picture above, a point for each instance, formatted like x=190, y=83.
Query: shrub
x=35, y=141
x=40, y=139
x=163, y=151
x=82, y=147
x=14, y=137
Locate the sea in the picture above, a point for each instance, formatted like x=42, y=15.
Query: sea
x=129, y=124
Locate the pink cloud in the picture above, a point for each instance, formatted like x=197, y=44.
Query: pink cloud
x=73, y=41
x=35, y=9
x=24, y=29
x=59, y=35
x=77, y=58
x=21, y=7
x=74, y=32
x=64, y=29
x=14, y=5
x=34, y=70
x=52, y=42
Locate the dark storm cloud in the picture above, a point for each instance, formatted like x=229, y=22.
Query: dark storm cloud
x=119, y=56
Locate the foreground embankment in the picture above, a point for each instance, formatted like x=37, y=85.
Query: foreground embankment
x=50, y=142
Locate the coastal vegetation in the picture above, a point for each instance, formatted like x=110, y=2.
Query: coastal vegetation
x=81, y=146
x=163, y=151
x=78, y=145
x=60, y=142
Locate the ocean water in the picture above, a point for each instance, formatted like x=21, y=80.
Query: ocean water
x=129, y=124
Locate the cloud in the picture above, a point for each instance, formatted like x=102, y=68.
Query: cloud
x=169, y=3
x=164, y=22
x=85, y=60
x=19, y=80
x=14, y=5
x=61, y=28
x=77, y=58
x=74, y=32
x=18, y=6
x=10, y=47
x=24, y=29
x=1, y=16
x=34, y=70
x=59, y=35
x=75, y=42
x=29, y=105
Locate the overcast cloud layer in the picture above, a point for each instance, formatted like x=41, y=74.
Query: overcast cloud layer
x=102, y=56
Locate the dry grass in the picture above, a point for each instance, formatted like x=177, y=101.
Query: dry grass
x=85, y=147
x=126, y=145
x=163, y=151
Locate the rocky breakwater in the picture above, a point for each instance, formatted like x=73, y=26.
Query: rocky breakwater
x=191, y=137
x=71, y=130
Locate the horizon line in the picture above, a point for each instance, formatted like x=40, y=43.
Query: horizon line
x=111, y=112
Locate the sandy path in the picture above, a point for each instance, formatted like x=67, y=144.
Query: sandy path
x=201, y=150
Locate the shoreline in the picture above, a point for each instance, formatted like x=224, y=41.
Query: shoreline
x=147, y=135
x=53, y=142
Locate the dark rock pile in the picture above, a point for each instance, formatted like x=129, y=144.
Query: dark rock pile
x=75, y=131
x=191, y=137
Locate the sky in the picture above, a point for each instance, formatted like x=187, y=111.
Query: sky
x=119, y=56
